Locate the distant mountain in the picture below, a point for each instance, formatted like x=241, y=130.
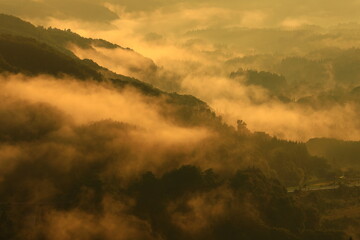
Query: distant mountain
x=54, y=37
x=64, y=40
x=273, y=82
x=30, y=57
x=344, y=154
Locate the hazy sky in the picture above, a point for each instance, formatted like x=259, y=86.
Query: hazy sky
x=271, y=12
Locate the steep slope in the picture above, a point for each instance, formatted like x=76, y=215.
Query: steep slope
x=54, y=37
x=65, y=40
x=28, y=56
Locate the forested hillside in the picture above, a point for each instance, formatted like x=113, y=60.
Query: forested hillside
x=87, y=153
